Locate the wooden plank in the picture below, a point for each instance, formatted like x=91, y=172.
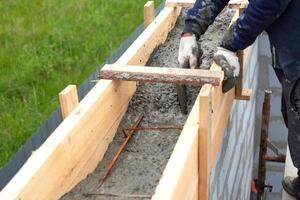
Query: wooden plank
x=240, y=92
x=180, y=177
x=149, y=13
x=196, y=77
x=68, y=99
x=205, y=113
x=79, y=143
x=181, y=3
x=190, y=3
x=222, y=111
x=221, y=106
x=217, y=96
x=245, y=95
x=239, y=85
x=221, y=118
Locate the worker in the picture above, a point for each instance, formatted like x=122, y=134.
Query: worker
x=281, y=20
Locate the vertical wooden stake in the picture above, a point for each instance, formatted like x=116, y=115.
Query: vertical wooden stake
x=240, y=54
x=68, y=99
x=239, y=85
x=205, y=115
x=242, y=93
x=149, y=13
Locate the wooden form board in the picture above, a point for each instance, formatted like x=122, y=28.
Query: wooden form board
x=149, y=13
x=180, y=177
x=242, y=93
x=195, y=77
x=204, y=144
x=190, y=3
x=68, y=99
x=221, y=106
x=79, y=143
x=181, y=3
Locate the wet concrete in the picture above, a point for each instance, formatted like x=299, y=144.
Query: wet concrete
x=141, y=165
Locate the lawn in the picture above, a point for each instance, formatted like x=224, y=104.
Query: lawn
x=46, y=45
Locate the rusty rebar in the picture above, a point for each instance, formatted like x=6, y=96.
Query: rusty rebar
x=264, y=143
x=280, y=158
x=181, y=92
x=113, y=162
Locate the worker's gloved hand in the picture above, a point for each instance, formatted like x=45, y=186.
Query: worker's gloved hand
x=229, y=63
x=189, y=52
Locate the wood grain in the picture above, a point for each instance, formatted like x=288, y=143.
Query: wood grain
x=196, y=77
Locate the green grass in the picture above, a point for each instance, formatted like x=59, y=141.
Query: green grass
x=46, y=45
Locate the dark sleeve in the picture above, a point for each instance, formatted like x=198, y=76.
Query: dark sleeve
x=202, y=15
x=258, y=16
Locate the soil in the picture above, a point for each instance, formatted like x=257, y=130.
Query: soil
x=139, y=168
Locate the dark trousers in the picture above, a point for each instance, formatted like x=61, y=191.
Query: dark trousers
x=291, y=113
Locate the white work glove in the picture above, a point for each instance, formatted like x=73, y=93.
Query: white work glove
x=229, y=63
x=189, y=52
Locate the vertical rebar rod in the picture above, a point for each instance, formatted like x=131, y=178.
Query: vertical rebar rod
x=264, y=143
x=181, y=92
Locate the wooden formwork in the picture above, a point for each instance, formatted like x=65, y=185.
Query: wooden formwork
x=79, y=143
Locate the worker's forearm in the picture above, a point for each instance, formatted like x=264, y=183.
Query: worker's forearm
x=202, y=15
x=258, y=16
